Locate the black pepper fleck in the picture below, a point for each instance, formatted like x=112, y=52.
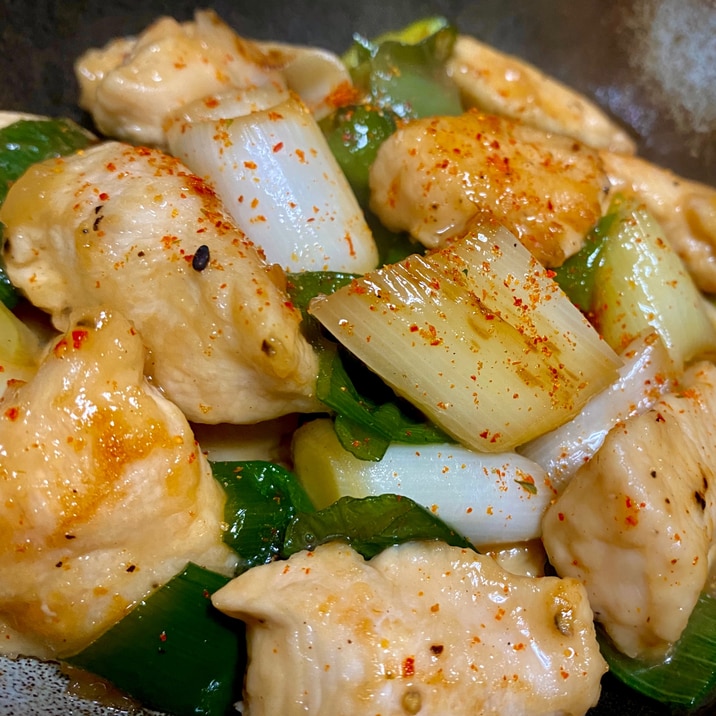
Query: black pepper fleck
x=201, y=258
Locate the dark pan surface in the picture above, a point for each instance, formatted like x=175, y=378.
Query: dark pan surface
x=650, y=63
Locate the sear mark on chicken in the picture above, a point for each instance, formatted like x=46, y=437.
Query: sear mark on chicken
x=119, y=225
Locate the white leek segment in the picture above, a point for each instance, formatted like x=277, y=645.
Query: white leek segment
x=490, y=499
x=314, y=74
x=19, y=349
x=478, y=336
x=276, y=176
x=647, y=373
x=641, y=284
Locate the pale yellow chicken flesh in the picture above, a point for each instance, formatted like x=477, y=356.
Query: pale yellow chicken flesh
x=104, y=493
x=434, y=176
x=131, y=85
x=503, y=84
x=119, y=225
x=422, y=628
x=636, y=523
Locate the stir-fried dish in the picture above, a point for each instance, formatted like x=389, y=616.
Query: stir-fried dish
x=389, y=374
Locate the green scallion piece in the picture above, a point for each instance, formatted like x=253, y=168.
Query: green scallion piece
x=174, y=652
x=369, y=525
x=688, y=676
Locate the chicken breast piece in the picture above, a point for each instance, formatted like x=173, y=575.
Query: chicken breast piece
x=132, y=228
x=434, y=176
x=635, y=524
x=104, y=493
x=421, y=628
x=686, y=211
x=503, y=84
x=131, y=85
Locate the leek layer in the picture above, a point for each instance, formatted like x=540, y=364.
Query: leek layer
x=477, y=336
x=688, y=677
x=369, y=525
x=174, y=652
x=261, y=500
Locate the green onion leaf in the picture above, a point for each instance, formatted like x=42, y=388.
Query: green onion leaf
x=28, y=141
x=366, y=426
x=576, y=276
x=369, y=525
x=261, y=499
x=405, y=72
x=174, y=652
x=688, y=677
x=354, y=134
x=305, y=285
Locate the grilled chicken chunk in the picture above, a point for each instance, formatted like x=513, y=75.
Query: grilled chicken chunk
x=132, y=228
x=421, y=628
x=434, y=176
x=495, y=82
x=131, y=85
x=636, y=523
x=104, y=493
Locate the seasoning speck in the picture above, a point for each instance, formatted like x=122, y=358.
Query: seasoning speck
x=201, y=258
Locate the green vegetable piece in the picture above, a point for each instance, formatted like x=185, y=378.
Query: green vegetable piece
x=354, y=135
x=576, y=275
x=688, y=677
x=412, y=34
x=392, y=247
x=29, y=141
x=302, y=287
x=369, y=525
x=261, y=499
x=408, y=78
x=365, y=426
x=174, y=652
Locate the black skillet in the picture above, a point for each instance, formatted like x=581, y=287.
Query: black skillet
x=650, y=63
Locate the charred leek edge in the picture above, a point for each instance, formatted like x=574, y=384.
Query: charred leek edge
x=477, y=336
x=174, y=651
x=369, y=525
x=646, y=374
x=261, y=499
x=277, y=177
x=641, y=284
x=688, y=677
x=489, y=498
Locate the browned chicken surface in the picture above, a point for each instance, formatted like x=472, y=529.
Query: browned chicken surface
x=434, y=176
